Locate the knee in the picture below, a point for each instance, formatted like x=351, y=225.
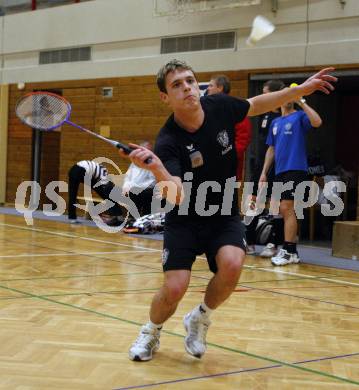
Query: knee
x=175, y=291
x=230, y=269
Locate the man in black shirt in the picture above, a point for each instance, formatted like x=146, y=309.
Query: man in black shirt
x=195, y=158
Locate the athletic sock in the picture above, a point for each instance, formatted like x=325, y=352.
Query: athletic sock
x=203, y=309
x=154, y=326
x=290, y=247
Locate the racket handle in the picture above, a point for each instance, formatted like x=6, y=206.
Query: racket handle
x=124, y=147
x=128, y=150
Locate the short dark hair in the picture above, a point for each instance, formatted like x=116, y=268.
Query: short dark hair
x=222, y=81
x=167, y=68
x=274, y=85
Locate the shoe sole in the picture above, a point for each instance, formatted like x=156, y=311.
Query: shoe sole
x=267, y=256
x=280, y=265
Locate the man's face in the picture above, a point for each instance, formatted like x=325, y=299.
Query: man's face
x=182, y=90
x=214, y=88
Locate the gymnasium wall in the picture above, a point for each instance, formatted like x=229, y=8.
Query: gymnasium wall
x=134, y=113
x=125, y=38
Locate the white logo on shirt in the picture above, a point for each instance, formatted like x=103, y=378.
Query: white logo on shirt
x=223, y=140
x=287, y=128
x=275, y=130
x=190, y=148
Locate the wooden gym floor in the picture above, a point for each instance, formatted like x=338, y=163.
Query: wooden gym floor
x=72, y=299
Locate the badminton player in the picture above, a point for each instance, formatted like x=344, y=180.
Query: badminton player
x=196, y=145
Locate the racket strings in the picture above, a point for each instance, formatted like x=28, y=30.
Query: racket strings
x=42, y=111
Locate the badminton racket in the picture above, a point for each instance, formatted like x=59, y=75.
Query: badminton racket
x=48, y=111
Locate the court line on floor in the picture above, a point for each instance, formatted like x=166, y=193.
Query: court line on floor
x=286, y=294
x=231, y=373
x=74, y=236
x=149, y=251
x=79, y=276
x=220, y=374
x=93, y=293
x=73, y=254
x=228, y=349
x=275, y=270
x=127, y=291
x=308, y=287
x=263, y=358
x=300, y=296
x=240, y=284
x=278, y=271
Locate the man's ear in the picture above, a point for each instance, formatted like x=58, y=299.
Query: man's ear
x=164, y=97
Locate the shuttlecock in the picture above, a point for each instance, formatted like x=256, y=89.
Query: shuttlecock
x=261, y=28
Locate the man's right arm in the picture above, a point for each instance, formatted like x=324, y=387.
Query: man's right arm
x=169, y=185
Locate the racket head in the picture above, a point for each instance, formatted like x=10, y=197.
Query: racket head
x=43, y=110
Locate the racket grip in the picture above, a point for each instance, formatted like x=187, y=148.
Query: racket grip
x=124, y=147
x=128, y=150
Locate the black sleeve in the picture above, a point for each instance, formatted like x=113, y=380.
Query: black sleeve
x=236, y=108
x=166, y=150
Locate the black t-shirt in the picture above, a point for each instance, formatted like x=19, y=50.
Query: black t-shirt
x=208, y=154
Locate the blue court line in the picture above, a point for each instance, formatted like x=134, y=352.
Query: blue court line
x=236, y=372
x=198, y=377
x=327, y=358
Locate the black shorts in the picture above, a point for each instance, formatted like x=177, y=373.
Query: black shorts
x=296, y=177
x=183, y=241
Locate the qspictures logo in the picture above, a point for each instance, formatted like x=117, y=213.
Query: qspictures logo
x=305, y=195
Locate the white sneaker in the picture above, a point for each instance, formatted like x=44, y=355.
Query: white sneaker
x=250, y=250
x=269, y=251
x=196, y=326
x=284, y=258
x=147, y=342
